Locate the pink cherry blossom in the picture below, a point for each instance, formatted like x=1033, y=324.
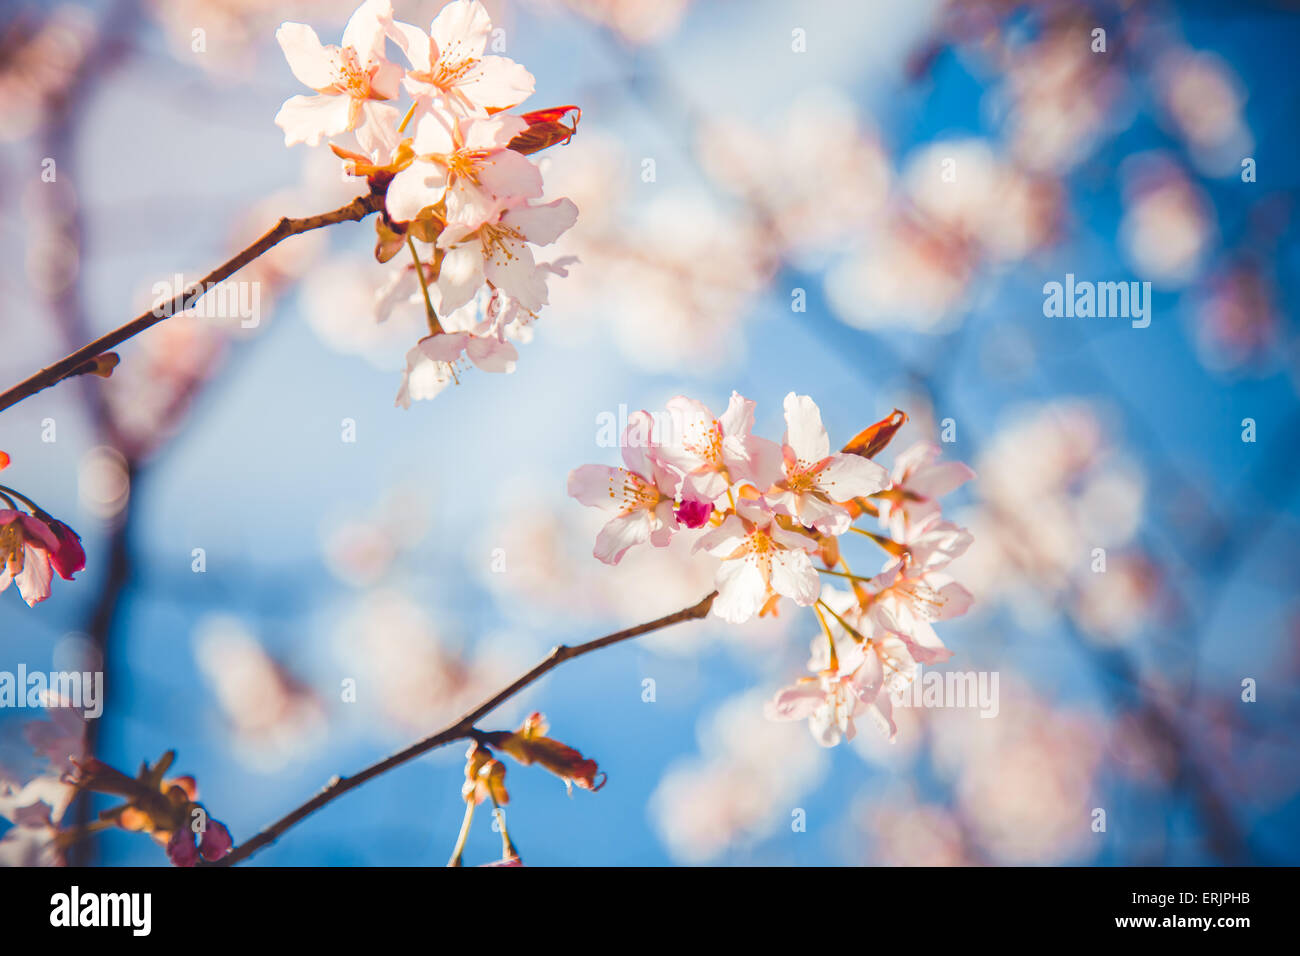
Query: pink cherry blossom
x=919, y=481
x=448, y=64
x=466, y=162
x=433, y=363
x=814, y=479
x=350, y=81
x=715, y=453
x=907, y=601
x=499, y=253
x=641, y=496
x=859, y=680
x=759, y=559
x=26, y=548
x=934, y=543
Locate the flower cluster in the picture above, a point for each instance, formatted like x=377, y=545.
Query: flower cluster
x=772, y=513
x=453, y=169
x=167, y=809
x=485, y=776
x=34, y=545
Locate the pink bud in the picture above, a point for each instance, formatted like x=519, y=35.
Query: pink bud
x=181, y=849
x=70, y=557
x=693, y=514
x=216, y=841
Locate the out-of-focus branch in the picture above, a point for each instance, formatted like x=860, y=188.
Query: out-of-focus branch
x=358, y=209
x=462, y=729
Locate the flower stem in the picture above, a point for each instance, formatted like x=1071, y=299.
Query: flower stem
x=459, y=849
x=401, y=128
x=36, y=509
x=853, y=631
x=435, y=327
x=844, y=574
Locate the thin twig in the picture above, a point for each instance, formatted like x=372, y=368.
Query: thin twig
x=461, y=730
x=358, y=209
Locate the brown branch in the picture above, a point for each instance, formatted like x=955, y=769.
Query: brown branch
x=461, y=730
x=354, y=211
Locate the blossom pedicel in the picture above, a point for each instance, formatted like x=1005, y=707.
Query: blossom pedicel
x=771, y=512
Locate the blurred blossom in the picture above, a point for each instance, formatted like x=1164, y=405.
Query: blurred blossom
x=1052, y=487
x=62, y=738
x=410, y=672
x=740, y=789
x=1005, y=213
x=633, y=20
x=1205, y=100
x=1237, y=321
x=904, y=832
x=36, y=807
x=339, y=299
x=769, y=167
x=960, y=209
x=1113, y=607
x=38, y=62
x=35, y=811
x=272, y=717
x=1167, y=227
x=684, y=274
x=360, y=549
x=148, y=395
x=1061, y=98
x=682, y=269
x=233, y=30
x=103, y=482
x=1024, y=781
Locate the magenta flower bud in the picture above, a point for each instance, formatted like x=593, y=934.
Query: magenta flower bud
x=70, y=557
x=694, y=514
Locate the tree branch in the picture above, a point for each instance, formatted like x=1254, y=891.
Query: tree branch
x=461, y=730
x=355, y=211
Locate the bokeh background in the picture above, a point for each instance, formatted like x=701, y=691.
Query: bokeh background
x=796, y=152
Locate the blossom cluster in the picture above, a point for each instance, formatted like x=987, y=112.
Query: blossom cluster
x=165, y=808
x=485, y=775
x=454, y=172
x=773, y=514
x=34, y=545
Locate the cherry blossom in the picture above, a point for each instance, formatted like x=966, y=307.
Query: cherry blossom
x=815, y=480
x=448, y=64
x=760, y=559
x=908, y=600
x=714, y=453
x=468, y=163
x=498, y=253
x=27, y=547
x=919, y=480
x=432, y=364
x=641, y=496
x=351, y=81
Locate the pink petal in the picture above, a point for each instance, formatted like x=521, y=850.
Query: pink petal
x=306, y=119
x=314, y=65
x=804, y=430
